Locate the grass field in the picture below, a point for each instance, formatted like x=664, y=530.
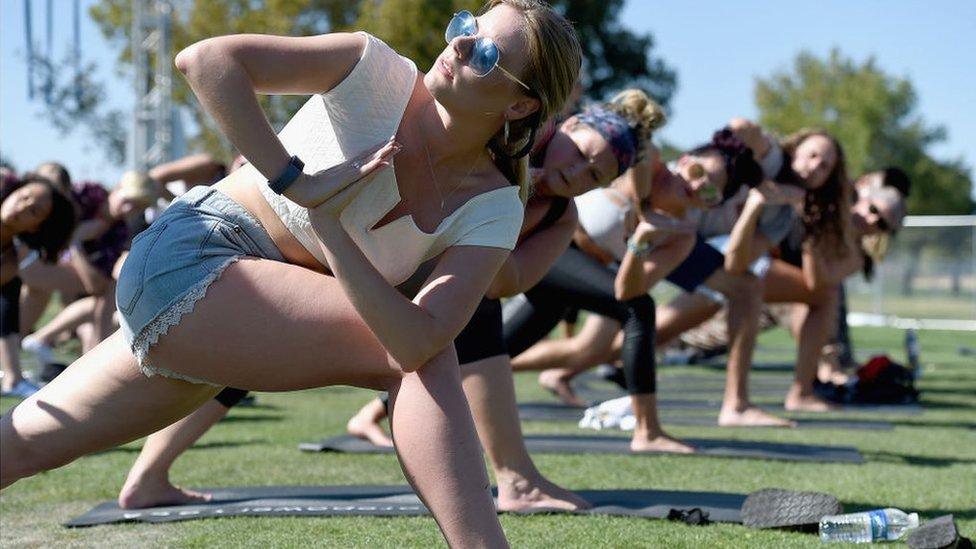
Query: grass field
x=927, y=464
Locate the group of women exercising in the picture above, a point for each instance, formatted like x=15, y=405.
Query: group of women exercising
x=372, y=241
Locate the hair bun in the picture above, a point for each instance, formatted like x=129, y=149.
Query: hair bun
x=641, y=111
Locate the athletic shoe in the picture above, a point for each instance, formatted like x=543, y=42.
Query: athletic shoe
x=774, y=508
x=41, y=351
x=22, y=389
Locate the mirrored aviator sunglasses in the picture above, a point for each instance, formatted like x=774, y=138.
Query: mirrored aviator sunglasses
x=484, y=53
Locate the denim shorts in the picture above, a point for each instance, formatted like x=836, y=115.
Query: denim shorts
x=174, y=261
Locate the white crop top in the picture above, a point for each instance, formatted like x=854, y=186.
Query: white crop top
x=603, y=215
x=360, y=112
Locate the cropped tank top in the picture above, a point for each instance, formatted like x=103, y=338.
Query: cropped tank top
x=360, y=112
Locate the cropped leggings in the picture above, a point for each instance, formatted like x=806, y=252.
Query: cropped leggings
x=577, y=281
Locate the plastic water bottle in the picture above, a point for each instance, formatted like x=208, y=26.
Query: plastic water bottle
x=911, y=350
x=866, y=527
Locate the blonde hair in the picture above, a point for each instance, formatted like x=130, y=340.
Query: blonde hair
x=554, y=59
x=643, y=115
x=139, y=188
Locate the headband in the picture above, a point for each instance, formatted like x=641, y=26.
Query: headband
x=614, y=128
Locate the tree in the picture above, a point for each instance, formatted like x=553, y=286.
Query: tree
x=616, y=57
x=874, y=116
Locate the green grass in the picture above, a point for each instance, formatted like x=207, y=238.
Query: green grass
x=926, y=464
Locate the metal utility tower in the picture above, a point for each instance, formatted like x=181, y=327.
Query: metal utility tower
x=152, y=135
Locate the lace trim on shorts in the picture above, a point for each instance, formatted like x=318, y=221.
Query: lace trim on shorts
x=160, y=326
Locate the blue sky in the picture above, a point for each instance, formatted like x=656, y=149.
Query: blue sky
x=718, y=48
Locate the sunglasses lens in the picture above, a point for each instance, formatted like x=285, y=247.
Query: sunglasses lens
x=484, y=56
x=462, y=24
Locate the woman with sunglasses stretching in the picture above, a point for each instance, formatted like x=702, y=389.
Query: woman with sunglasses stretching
x=569, y=158
x=247, y=307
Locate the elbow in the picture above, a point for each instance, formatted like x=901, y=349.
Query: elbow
x=198, y=59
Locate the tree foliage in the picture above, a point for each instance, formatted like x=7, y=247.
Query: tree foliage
x=616, y=58
x=874, y=115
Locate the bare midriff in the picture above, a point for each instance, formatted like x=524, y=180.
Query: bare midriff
x=246, y=193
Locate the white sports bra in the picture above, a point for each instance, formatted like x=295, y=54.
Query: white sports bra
x=603, y=215
x=361, y=111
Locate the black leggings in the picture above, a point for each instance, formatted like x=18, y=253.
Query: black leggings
x=577, y=281
x=10, y=307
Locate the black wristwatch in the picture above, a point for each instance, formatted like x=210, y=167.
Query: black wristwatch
x=287, y=177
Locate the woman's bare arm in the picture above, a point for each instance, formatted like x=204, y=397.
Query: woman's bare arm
x=412, y=332
x=226, y=72
x=532, y=258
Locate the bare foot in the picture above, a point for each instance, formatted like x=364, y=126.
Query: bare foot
x=830, y=373
x=362, y=427
x=808, y=403
x=556, y=383
x=660, y=443
x=142, y=493
x=522, y=494
x=751, y=416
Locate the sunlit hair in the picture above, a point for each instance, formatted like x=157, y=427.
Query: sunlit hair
x=826, y=216
x=553, y=63
x=55, y=173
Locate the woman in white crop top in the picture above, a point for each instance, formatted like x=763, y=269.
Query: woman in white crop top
x=231, y=255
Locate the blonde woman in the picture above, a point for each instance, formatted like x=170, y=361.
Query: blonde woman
x=250, y=310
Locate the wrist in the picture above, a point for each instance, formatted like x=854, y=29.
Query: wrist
x=287, y=177
x=638, y=247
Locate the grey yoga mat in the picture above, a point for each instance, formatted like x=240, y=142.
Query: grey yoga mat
x=388, y=501
x=589, y=444
x=553, y=411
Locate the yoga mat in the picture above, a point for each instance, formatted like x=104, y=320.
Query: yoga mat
x=390, y=501
x=715, y=403
x=552, y=411
x=587, y=444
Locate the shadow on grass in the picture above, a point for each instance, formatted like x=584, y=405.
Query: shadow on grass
x=933, y=423
x=251, y=418
x=924, y=513
x=919, y=461
x=200, y=446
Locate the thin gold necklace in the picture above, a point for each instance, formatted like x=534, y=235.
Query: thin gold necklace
x=430, y=166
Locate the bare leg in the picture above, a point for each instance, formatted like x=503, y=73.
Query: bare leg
x=366, y=424
x=147, y=484
x=812, y=327
x=10, y=361
x=649, y=436
x=744, y=293
x=490, y=391
x=442, y=460
x=563, y=359
x=99, y=402
x=817, y=323
x=102, y=321
x=41, y=280
x=680, y=315
x=72, y=316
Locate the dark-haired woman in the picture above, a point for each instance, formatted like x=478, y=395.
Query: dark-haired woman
x=40, y=217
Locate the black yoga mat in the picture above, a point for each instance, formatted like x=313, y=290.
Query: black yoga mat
x=553, y=411
x=389, y=501
x=585, y=444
